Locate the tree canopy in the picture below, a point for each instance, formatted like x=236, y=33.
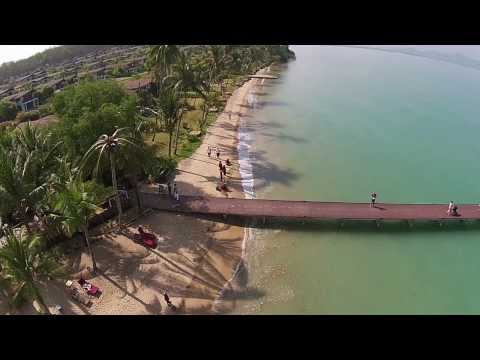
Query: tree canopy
x=91, y=109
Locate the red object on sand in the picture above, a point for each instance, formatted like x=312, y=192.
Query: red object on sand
x=91, y=289
x=149, y=240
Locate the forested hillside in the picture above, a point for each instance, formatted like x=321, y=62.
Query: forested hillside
x=50, y=56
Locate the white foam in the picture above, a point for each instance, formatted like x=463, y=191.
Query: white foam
x=244, y=160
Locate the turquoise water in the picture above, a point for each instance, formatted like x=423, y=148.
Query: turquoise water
x=339, y=124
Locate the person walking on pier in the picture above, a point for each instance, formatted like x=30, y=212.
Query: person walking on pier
x=450, y=208
x=374, y=198
x=454, y=210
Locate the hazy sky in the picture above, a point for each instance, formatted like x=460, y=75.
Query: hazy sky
x=17, y=52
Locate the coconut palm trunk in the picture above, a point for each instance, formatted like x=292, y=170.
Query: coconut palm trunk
x=170, y=136
x=89, y=246
x=115, y=187
x=179, y=122
x=39, y=298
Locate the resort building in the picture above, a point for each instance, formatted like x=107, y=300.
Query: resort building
x=137, y=85
x=25, y=100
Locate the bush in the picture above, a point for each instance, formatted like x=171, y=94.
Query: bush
x=45, y=110
x=160, y=169
x=8, y=111
x=27, y=116
x=46, y=93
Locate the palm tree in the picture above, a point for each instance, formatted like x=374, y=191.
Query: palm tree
x=161, y=59
x=184, y=79
x=170, y=104
x=20, y=188
x=111, y=146
x=77, y=205
x=24, y=265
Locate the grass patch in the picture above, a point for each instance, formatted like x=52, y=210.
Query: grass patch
x=187, y=144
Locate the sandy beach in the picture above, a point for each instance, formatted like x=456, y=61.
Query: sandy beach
x=195, y=260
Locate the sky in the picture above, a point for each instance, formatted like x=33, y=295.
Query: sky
x=18, y=52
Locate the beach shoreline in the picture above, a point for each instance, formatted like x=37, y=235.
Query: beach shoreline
x=226, y=134
x=196, y=261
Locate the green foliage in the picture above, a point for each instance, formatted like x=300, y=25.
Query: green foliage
x=77, y=202
x=91, y=109
x=24, y=264
x=27, y=160
x=45, y=110
x=8, y=110
x=160, y=168
x=46, y=93
x=27, y=116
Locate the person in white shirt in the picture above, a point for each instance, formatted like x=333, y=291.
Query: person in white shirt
x=450, y=207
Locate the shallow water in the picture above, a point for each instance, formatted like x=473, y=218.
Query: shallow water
x=339, y=124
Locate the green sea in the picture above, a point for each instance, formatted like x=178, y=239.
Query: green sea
x=338, y=124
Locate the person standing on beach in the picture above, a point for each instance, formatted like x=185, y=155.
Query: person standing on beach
x=218, y=153
x=374, y=197
x=209, y=150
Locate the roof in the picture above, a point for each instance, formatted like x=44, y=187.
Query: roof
x=6, y=90
x=135, y=84
x=18, y=95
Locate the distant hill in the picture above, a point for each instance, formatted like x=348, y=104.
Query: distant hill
x=51, y=56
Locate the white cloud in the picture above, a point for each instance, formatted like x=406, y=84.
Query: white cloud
x=17, y=52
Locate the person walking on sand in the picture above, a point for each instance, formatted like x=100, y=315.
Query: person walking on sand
x=218, y=153
x=450, y=207
x=374, y=198
x=209, y=150
x=169, y=303
x=224, y=170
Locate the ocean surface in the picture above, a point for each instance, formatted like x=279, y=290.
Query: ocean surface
x=338, y=124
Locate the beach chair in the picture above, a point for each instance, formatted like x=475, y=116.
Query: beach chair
x=90, y=289
x=76, y=295
x=147, y=239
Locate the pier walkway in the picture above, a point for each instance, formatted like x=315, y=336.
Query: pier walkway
x=307, y=209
